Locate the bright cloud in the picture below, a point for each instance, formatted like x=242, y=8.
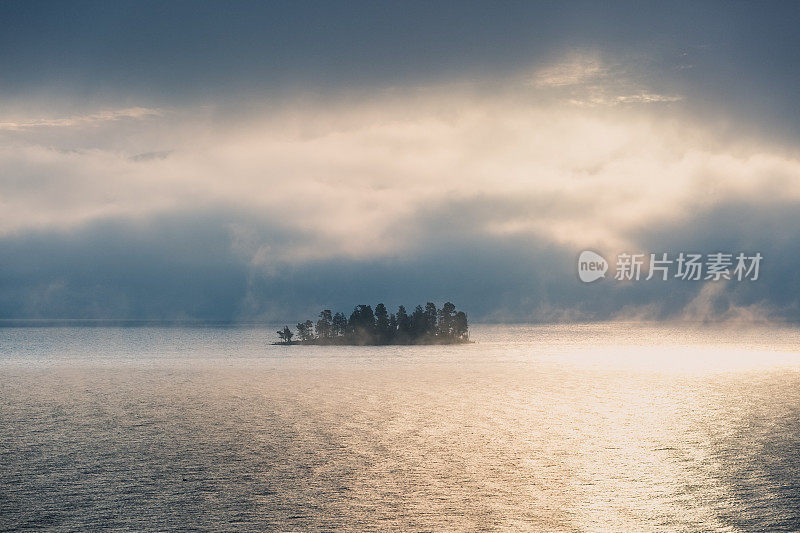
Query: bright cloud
x=365, y=176
x=578, y=70
x=82, y=120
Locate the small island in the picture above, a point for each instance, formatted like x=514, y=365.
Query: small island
x=427, y=325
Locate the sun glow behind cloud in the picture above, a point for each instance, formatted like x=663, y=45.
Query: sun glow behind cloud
x=357, y=174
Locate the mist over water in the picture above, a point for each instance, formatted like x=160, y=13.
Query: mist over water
x=580, y=427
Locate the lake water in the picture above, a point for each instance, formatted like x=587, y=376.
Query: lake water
x=622, y=427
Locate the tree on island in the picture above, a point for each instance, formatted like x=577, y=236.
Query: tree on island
x=446, y=318
x=403, y=333
x=339, y=325
x=305, y=330
x=383, y=329
x=285, y=335
x=325, y=325
x=427, y=325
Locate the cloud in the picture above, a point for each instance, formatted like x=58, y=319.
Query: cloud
x=147, y=156
x=226, y=264
x=647, y=98
x=490, y=189
x=584, y=79
x=577, y=70
x=713, y=304
x=71, y=121
x=354, y=172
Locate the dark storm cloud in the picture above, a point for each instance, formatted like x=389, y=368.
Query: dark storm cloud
x=192, y=266
x=171, y=267
x=742, y=54
x=772, y=230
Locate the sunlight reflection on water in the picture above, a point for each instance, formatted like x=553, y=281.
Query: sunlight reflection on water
x=588, y=427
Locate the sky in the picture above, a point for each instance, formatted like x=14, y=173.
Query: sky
x=261, y=161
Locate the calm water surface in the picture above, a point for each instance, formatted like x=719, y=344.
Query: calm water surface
x=551, y=428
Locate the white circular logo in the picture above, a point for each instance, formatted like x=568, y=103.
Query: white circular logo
x=591, y=266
